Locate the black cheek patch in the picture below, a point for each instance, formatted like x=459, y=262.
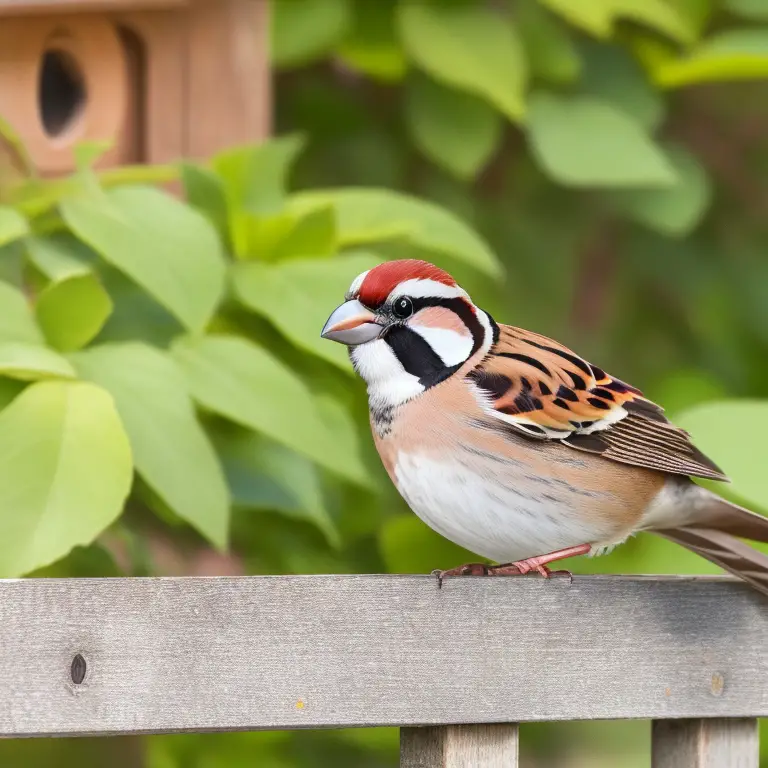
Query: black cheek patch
x=417, y=357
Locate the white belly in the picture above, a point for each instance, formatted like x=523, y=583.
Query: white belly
x=495, y=516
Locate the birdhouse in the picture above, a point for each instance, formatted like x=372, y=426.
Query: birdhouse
x=159, y=79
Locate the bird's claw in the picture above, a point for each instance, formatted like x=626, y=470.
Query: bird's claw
x=519, y=568
x=470, y=569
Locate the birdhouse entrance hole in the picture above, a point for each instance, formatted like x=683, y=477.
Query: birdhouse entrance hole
x=61, y=92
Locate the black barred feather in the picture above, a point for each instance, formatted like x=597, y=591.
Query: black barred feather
x=540, y=387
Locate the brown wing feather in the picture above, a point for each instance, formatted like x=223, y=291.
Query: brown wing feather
x=542, y=389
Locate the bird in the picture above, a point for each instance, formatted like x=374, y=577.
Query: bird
x=517, y=449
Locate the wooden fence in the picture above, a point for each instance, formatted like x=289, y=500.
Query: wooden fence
x=454, y=668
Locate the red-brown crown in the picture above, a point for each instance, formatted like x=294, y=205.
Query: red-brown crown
x=382, y=280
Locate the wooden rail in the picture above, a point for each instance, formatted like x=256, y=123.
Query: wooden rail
x=116, y=656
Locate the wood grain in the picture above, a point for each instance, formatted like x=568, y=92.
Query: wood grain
x=324, y=651
x=228, y=74
x=25, y=7
x=716, y=743
x=459, y=746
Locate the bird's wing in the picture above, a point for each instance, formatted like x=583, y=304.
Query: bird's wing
x=543, y=390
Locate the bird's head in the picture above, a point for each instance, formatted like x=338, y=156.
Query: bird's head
x=409, y=326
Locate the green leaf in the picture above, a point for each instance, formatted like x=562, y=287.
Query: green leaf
x=372, y=46
x=255, y=177
x=59, y=256
x=584, y=142
x=297, y=296
x=16, y=318
x=205, y=191
x=598, y=16
x=29, y=362
x=12, y=225
x=310, y=236
x=469, y=47
x=65, y=472
x=549, y=48
x=756, y=10
x=266, y=475
x=735, y=54
x=595, y=16
x=87, y=153
x=162, y=244
x=171, y=451
x=696, y=14
x=73, y=311
x=236, y=379
x=369, y=215
x=137, y=174
x=304, y=30
x=13, y=141
x=715, y=430
x=408, y=545
x=612, y=75
x=659, y=15
x=10, y=389
x=676, y=211
x=456, y=130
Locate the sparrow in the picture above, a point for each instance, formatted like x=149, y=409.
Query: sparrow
x=512, y=446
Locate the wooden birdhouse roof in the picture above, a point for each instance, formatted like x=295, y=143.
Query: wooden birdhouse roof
x=22, y=7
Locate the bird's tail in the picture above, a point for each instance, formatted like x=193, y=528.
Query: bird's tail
x=716, y=535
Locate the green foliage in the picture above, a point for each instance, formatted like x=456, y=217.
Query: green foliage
x=710, y=424
x=171, y=451
x=65, y=472
x=583, y=141
x=469, y=47
x=12, y=225
x=455, y=129
x=71, y=312
x=295, y=296
x=153, y=239
x=112, y=293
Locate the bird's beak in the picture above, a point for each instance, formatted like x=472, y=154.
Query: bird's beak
x=352, y=324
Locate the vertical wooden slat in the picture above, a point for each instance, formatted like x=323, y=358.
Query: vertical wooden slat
x=459, y=746
x=228, y=74
x=711, y=743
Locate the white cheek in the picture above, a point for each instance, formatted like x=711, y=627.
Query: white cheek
x=389, y=384
x=453, y=347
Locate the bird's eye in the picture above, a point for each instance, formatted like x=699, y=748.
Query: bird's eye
x=403, y=307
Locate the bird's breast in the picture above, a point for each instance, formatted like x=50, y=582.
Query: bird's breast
x=500, y=495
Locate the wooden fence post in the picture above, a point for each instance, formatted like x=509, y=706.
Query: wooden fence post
x=459, y=746
x=710, y=743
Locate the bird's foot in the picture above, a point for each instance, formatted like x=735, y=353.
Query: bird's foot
x=517, y=568
x=523, y=567
x=469, y=569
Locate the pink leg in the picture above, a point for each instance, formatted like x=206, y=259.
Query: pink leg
x=539, y=563
x=518, y=568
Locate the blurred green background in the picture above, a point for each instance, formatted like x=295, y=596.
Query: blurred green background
x=591, y=170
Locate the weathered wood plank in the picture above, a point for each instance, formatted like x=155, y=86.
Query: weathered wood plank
x=317, y=651
x=715, y=743
x=459, y=746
